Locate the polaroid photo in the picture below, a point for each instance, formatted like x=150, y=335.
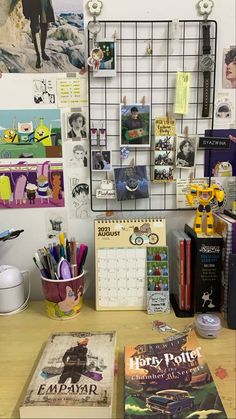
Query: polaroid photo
x=131, y=183
x=76, y=124
x=135, y=125
x=103, y=58
x=185, y=152
x=76, y=154
x=163, y=174
x=101, y=160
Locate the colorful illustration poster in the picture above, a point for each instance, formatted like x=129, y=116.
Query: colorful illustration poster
x=44, y=39
x=30, y=133
x=31, y=185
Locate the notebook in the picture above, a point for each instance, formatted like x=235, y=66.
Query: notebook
x=120, y=261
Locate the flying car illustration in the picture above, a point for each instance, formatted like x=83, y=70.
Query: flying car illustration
x=171, y=402
x=143, y=235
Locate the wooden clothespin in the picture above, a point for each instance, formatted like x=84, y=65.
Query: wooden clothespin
x=143, y=101
x=115, y=35
x=186, y=132
x=132, y=163
x=125, y=100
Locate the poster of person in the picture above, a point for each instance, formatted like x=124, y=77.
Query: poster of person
x=76, y=154
x=229, y=68
x=76, y=124
x=135, y=125
x=79, y=198
x=43, y=36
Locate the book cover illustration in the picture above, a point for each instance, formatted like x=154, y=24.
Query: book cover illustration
x=164, y=149
x=75, y=369
x=170, y=380
x=30, y=133
x=31, y=185
x=157, y=280
x=131, y=182
x=227, y=158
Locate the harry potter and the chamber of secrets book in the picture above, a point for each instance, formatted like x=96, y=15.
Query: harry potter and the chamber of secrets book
x=74, y=377
x=170, y=380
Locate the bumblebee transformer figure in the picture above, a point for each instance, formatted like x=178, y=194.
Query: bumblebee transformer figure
x=204, y=195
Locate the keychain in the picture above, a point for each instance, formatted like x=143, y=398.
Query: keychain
x=96, y=54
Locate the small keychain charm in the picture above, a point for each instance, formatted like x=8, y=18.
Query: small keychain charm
x=96, y=56
x=149, y=49
x=94, y=136
x=102, y=136
x=124, y=153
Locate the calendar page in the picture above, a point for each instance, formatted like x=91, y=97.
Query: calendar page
x=120, y=253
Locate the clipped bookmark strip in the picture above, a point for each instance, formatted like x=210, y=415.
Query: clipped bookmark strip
x=182, y=92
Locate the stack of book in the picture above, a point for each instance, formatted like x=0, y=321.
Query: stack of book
x=180, y=270
x=225, y=225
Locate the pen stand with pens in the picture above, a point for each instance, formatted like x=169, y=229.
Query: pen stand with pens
x=64, y=297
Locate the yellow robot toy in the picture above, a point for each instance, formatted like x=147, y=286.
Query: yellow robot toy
x=204, y=195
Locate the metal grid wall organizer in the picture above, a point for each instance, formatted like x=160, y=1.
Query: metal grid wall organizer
x=152, y=76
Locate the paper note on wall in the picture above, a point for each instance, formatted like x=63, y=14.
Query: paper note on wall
x=68, y=92
x=182, y=92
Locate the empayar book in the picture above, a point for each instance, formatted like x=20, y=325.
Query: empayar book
x=74, y=377
x=170, y=380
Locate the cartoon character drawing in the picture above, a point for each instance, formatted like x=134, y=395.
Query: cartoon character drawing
x=43, y=134
x=223, y=169
x=31, y=190
x=44, y=192
x=95, y=58
x=5, y=189
x=206, y=298
x=56, y=186
x=143, y=235
x=68, y=305
x=10, y=135
x=25, y=132
x=19, y=189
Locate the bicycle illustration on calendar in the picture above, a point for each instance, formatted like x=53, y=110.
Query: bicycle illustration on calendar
x=143, y=235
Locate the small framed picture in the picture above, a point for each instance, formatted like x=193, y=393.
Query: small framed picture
x=135, y=125
x=185, y=151
x=101, y=160
x=103, y=58
x=76, y=124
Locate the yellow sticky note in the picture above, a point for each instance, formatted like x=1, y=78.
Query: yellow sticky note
x=182, y=92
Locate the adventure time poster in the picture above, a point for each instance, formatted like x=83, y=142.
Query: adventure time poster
x=30, y=134
x=42, y=36
x=31, y=185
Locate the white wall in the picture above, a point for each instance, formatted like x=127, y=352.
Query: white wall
x=19, y=252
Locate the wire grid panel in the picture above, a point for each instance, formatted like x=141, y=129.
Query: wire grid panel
x=151, y=76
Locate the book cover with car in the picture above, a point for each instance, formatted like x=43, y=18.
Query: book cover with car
x=170, y=380
x=74, y=377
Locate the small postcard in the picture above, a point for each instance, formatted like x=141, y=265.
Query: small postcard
x=135, y=125
x=131, y=183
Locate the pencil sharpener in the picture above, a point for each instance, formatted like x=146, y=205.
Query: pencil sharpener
x=208, y=325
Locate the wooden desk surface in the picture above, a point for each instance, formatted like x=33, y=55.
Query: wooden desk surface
x=23, y=335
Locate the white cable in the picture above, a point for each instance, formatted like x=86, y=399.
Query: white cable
x=22, y=307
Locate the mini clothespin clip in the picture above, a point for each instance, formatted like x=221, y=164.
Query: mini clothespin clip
x=143, y=101
x=124, y=100
x=132, y=163
x=186, y=132
x=149, y=49
x=115, y=35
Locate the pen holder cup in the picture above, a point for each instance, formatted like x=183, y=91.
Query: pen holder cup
x=64, y=297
